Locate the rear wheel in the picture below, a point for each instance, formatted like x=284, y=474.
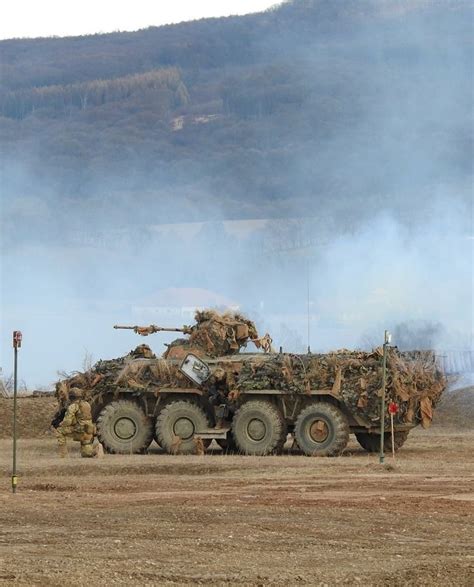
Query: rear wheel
x=177, y=424
x=124, y=428
x=371, y=442
x=321, y=429
x=258, y=428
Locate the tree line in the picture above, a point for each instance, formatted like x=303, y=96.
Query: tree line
x=166, y=85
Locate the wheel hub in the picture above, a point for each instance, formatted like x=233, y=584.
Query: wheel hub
x=125, y=428
x=256, y=429
x=184, y=428
x=319, y=431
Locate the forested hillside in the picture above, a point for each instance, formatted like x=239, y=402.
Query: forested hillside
x=338, y=133
x=309, y=108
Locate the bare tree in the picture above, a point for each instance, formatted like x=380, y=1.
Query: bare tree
x=8, y=385
x=3, y=391
x=87, y=361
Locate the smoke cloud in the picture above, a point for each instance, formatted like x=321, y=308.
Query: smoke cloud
x=66, y=297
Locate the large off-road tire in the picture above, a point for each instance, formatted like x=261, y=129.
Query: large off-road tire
x=258, y=428
x=124, y=428
x=177, y=424
x=321, y=429
x=371, y=442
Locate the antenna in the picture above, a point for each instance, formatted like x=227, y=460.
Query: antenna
x=307, y=283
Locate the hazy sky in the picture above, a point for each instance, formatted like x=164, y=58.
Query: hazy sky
x=31, y=18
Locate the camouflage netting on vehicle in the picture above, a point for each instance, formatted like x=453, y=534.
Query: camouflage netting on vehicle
x=215, y=335
x=139, y=370
x=414, y=381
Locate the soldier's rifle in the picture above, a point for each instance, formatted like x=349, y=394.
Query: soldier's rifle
x=58, y=417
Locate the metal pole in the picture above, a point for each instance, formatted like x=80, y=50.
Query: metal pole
x=15, y=390
x=382, y=402
x=17, y=337
x=393, y=435
x=308, y=308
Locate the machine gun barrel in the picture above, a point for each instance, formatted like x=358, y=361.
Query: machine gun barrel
x=146, y=330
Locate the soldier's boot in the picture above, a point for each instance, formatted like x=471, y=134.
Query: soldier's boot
x=86, y=439
x=87, y=450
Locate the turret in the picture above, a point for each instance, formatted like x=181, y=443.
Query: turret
x=213, y=335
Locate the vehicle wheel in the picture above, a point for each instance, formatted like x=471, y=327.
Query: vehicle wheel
x=321, y=429
x=155, y=437
x=258, y=428
x=371, y=442
x=177, y=424
x=123, y=428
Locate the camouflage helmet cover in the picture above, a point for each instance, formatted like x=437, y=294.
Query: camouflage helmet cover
x=143, y=351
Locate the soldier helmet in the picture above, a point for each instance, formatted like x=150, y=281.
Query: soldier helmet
x=219, y=374
x=143, y=351
x=75, y=393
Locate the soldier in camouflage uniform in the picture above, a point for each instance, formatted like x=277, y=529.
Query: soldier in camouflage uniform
x=143, y=351
x=77, y=424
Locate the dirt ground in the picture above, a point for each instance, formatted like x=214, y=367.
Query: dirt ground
x=218, y=520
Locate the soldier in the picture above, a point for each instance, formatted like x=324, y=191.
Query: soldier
x=143, y=351
x=77, y=424
x=218, y=392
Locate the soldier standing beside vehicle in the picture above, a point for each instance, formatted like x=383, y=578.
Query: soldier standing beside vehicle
x=218, y=392
x=76, y=424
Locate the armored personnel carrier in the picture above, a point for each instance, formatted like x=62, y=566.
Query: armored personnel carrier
x=208, y=386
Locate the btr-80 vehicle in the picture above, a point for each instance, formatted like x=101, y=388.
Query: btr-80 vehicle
x=204, y=387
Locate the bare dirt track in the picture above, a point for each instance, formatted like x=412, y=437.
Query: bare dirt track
x=218, y=520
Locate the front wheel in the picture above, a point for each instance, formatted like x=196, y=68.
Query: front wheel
x=258, y=428
x=124, y=428
x=371, y=442
x=321, y=429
